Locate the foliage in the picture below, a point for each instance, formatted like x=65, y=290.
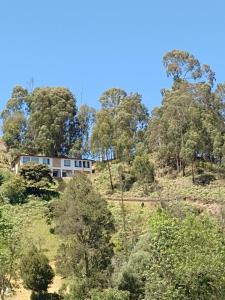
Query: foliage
x=44, y=121
x=182, y=257
x=52, y=126
x=144, y=171
x=14, y=190
x=9, y=252
x=204, y=179
x=189, y=125
x=119, y=125
x=85, y=118
x=14, y=119
x=35, y=271
x=109, y=294
x=37, y=175
x=86, y=224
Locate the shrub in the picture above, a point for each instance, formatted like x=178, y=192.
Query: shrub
x=36, y=272
x=204, y=179
x=14, y=190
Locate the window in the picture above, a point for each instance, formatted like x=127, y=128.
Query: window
x=46, y=161
x=84, y=164
x=88, y=164
x=64, y=174
x=56, y=173
x=76, y=164
x=80, y=164
x=35, y=160
x=66, y=163
x=25, y=159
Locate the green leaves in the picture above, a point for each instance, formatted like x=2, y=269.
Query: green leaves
x=35, y=271
x=86, y=224
x=182, y=257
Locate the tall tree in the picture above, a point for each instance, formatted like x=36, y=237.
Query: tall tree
x=86, y=118
x=14, y=118
x=52, y=126
x=83, y=217
x=190, y=122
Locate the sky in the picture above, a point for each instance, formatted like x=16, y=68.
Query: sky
x=90, y=46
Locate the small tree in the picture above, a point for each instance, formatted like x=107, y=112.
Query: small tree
x=14, y=190
x=37, y=177
x=36, y=272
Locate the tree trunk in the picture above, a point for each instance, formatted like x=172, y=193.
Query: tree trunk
x=183, y=168
x=192, y=172
x=177, y=164
x=110, y=173
x=87, y=271
x=124, y=222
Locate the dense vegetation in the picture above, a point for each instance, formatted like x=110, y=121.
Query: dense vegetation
x=117, y=250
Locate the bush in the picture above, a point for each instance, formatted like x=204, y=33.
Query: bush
x=14, y=190
x=109, y=294
x=36, y=272
x=45, y=296
x=204, y=179
x=181, y=257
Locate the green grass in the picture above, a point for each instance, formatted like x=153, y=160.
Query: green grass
x=33, y=220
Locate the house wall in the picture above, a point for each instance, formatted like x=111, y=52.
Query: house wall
x=59, y=164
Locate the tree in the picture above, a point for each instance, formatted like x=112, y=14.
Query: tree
x=38, y=180
x=119, y=127
x=86, y=224
x=14, y=119
x=189, y=125
x=144, y=171
x=183, y=65
x=36, y=272
x=85, y=117
x=111, y=98
x=14, y=190
x=102, y=139
x=36, y=175
x=130, y=124
x=181, y=257
x=52, y=126
x=9, y=252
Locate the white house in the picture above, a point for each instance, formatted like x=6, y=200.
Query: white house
x=59, y=166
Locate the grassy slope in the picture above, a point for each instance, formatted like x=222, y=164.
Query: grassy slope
x=36, y=229
x=168, y=188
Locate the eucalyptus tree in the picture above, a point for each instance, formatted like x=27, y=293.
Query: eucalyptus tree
x=14, y=119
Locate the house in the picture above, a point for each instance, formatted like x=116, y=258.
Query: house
x=59, y=166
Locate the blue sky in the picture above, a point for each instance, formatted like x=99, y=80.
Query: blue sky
x=90, y=46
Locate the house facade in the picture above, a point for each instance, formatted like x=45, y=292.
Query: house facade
x=60, y=166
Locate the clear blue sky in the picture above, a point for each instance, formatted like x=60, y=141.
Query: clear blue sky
x=90, y=46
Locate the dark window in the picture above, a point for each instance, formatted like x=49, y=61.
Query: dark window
x=64, y=174
x=76, y=163
x=88, y=164
x=56, y=173
x=84, y=164
x=80, y=164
